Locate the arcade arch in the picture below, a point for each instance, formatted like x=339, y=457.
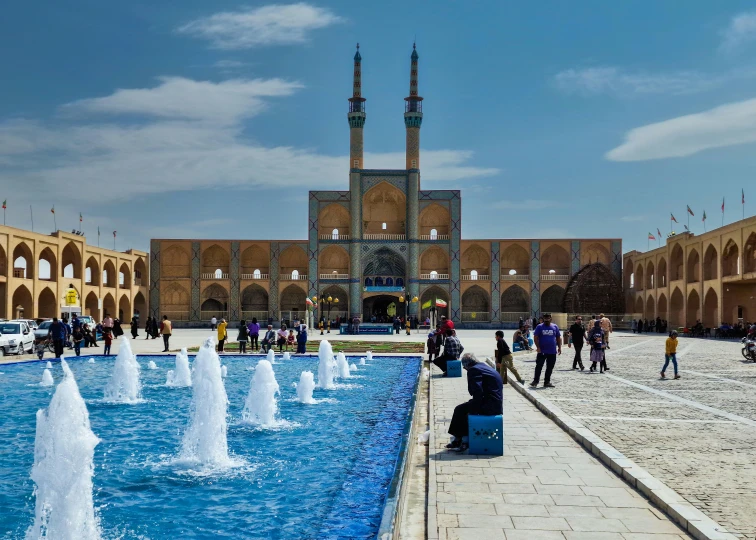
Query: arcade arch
x=109, y=276
x=650, y=275
x=175, y=262
x=515, y=299
x=214, y=301
x=515, y=257
x=255, y=258
x=594, y=253
x=47, y=304
x=434, y=259
x=694, y=266
x=293, y=258
x=661, y=307
x=92, y=272
x=475, y=304
x=711, y=308
x=730, y=260
x=710, y=263
x=434, y=217
x=551, y=299
x=661, y=273
x=109, y=306
x=124, y=309
x=334, y=220
x=174, y=299
x=215, y=258
x=749, y=254
x=555, y=258
x=694, y=308
x=428, y=298
x=676, y=263
x=70, y=261
x=92, y=306
x=23, y=265
x=475, y=258
x=384, y=210
x=47, y=268
x=333, y=260
x=254, y=301
x=22, y=306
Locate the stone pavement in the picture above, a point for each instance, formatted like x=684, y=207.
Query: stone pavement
x=545, y=486
x=697, y=435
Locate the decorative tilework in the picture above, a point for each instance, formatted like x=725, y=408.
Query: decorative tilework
x=155, y=278
x=575, y=247
x=495, y=278
x=400, y=182
x=234, y=293
x=312, y=244
x=617, y=259
x=454, y=246
x=535, y=278
x=439, y=195
x=275, y=251
x=194, y=309
x=329, y=196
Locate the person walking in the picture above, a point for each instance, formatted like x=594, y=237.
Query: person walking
x=57, y=333
x=504, y=359
x=606, y=326
x=577, y=336
x=117, y=330
x=166, y=329
x=222, y=334
x=431, y=346
x=147, y=327
x=134, y=328
x=408, y=326
x=242, y=337
x=596, y=339
x=254, y=335
x=634, y=326
x=77, y=337
x=302, y=339
x=670, y=353
x=155, y=328
x=548, y=342
x=108, y=339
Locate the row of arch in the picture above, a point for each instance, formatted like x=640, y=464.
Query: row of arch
x=47, y=304
x=46, y=267
x=649, y=277
x=681, y=313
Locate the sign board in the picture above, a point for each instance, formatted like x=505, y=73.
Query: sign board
x=71, y=297
x=383, y=288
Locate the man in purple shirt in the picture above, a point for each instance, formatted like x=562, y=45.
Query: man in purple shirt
x=548, y=342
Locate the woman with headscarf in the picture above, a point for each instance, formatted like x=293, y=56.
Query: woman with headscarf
x=134, y=328
x=117, y=330
x=596, y=339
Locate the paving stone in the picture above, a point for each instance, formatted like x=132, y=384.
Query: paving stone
x=532, y=535
x=650, y=525
x=522, y=510
x=576, y=500
x=575, y=511
x=596, y=524
x=586, y=535
x=475, y=534
x=503, y=522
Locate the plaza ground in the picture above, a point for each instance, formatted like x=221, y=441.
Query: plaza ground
x=696, y=435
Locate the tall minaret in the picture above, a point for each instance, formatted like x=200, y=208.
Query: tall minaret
x=356, y=115
x=413, y=116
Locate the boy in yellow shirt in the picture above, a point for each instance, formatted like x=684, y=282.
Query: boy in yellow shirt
x=670, y=353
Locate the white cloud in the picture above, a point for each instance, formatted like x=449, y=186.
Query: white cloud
x=620, y=82
x=267, y=25
x=740, y=31
x=726, y=125
x=226, y=102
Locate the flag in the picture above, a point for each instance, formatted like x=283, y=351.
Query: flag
x=52, y=209
x=98, y=230
x=80, y=218
x=658, y=232
x=742, y=196
x=426, y=305
x=4, y=204
x=723, y=205
x=651, y=236
x=440, y=303
x=704, y=216
x=308, y=302
x=686, y=228
x=690, y=211
x=672, y=217
x=114, y=234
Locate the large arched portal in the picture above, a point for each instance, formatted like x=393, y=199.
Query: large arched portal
x=594, y=289
x=385, y=263
x=293, y=303
x=552, y=299
x=382, y=308
x=254, y=303
x=384, y=211
x=214, y=302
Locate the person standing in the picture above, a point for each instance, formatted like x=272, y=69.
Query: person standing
x=254, y=335
x=504, y=359
x=108, y=339
x=670, y=353
x=356, y=325
x=155, y=328
x=242, y=337
x=147, y=327
x=134, y=328
x=166, y=328
x=213, y=323
x=634, y=326
x=222, y=335
x=302, y=339
x=408, y=326
x=431, y=345
x=57, y=332
x=596, y=339
x=548, y=342
x=577, y=336
x=107, y=323
x=77, y=337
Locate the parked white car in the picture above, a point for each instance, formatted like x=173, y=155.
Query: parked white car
x=4, y=346
x=20, y=337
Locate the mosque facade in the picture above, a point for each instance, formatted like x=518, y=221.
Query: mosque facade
x=383, y=246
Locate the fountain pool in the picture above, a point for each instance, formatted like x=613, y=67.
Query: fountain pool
x=323, y=473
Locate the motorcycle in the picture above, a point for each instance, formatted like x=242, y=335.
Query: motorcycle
x=749, y=349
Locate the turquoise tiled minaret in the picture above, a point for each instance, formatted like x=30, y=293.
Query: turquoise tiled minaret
x=357, y=118
x=413, y=118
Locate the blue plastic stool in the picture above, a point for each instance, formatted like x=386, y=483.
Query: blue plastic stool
x=486, y=434
x=454, y=368
x=516, y=346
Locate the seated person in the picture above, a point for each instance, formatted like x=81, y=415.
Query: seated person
x=269, y=340
x=452, y=349
x=486, y=388
x=520, y=338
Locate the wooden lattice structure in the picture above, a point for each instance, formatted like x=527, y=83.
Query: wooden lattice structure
x=594, y=289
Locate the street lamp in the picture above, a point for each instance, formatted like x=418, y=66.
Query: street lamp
x=406, y=302
x=329, y=301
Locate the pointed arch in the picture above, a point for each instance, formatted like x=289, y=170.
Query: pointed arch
x=140, y=274
x=109, y=306
x=428, y=299
x=254, y=298
x=47, y=266
x=293, y=258
x=639, y=282
x=594, y=253
x=124, y=309
x=340, y=308
x=475, y=258
x=255, y=258
x=70, y=261
x=22, y=305
x=214, y=301
x=175, y=262
x=476, y=300
x=92, y=306
x=661, y=307
x=124, y=276
x=694, y=308
x=661, y=273
x=749, y=254
x=92, y=272
x=677, y=308
x=552, y=299
x=174, y=297
x=215, y=258
x=333, y=260
x=384, y=210
x=293, y=298
x=650, y=276
x=515, y=299
x=628, y=274
x=710, y=263
x=140, y=304
x=109, y=276
x=3, y=262
x=639, y=306
x=385, y=262
x=711, y=309
x=434, y=259
x=23, y=262
x=47, y=304
x=594, y=289
x=650, y=308
x=556, y=258
x=517, y=258
x=730, y=259
x=676, y=263
x=693, y=266
x=334, y=216
x=434, y=216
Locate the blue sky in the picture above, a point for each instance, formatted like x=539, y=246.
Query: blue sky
x=214, y=119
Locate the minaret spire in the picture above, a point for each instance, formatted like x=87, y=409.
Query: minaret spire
x=413, y=115
x=356, y=115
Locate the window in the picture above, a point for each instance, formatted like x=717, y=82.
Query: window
x=88, y=275
x=105, y=278
x=295, y=274
x=632, y=280
x=552, y=271
x=335, y=234
x=434, y=234
x=256, y=274
x=414, y=164
x=121, y=278
x=513, y=272
x=356, y=163
x=383, y=226
x=218, y=273
x=68, y=271
x=474, y=275
x=434, y=275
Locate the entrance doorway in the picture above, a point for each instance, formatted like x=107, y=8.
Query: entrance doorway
x=383, y=307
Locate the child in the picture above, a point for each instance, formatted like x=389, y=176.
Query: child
x=78, y=337
x=408, y=325
x=596, y=339
x=290, y=339
x=108, y=338
x=431, y=344
x=670, y=353
x=39, y=348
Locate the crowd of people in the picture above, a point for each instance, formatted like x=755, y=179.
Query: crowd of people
x=249, y=333
x=640, y=326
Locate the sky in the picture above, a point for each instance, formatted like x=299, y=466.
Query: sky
x=192, y=119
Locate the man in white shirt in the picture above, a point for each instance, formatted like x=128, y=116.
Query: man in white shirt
x=213, y=323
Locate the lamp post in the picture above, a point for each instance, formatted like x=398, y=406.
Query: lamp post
x=406, y=302
x=329, y=302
